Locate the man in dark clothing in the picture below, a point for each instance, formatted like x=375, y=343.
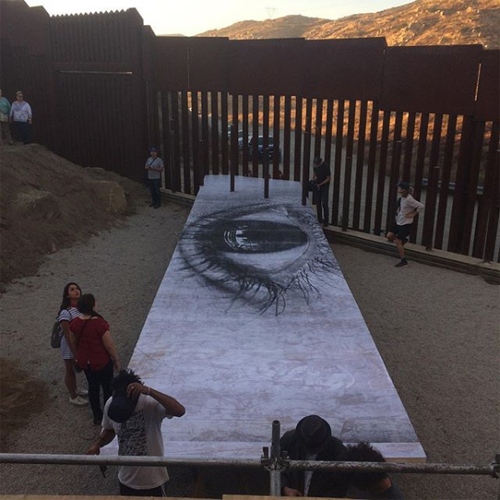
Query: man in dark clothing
x=370, y=485
x=312, y=440
x=322, y=177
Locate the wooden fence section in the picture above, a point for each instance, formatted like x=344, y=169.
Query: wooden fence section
x=104, y=88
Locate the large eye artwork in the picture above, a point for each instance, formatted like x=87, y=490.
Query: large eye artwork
x=259, y=254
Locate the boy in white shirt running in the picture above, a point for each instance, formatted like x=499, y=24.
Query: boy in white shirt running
x=408, y=209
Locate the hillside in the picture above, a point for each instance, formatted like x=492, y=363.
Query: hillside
x=423, y=22
x=48, y=203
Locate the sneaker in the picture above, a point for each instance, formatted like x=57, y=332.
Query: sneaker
x=403, y=263
x=82, y=392
x=78, y=401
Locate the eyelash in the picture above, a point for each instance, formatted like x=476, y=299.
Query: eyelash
x=205, y=262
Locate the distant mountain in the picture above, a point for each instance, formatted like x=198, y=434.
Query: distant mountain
x=423, y=22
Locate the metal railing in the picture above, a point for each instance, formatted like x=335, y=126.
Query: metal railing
x=274, y=462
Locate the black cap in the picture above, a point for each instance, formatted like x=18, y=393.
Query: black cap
x=404, y=185
x=317, y=161
x=313, y=431
x=121, y=408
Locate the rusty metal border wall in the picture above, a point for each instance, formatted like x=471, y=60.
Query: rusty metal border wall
x=103, y=88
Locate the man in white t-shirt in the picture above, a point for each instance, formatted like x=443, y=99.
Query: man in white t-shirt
x=135, y=413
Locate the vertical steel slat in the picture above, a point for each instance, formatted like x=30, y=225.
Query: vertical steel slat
x=360, y=158
x=445, y=180
x=318, y=127
x=286, y=138
x=176, y=167
x=485, y=204
x=346, y=208
x=328, y=132
x=384, y=144
x=370, y=176
x=195, y=127
x=224, y=133
x=214, y=107
x=475, y=166
x=489, y=251
x=306, y=162
x=427, y=233
x=430, y=207
x=419, y=170
x=459, y=198
x=265, y=125
x=298, y=138
x=276, y=136
x=245, y=152
x=186, y=163
x=339, y=137
x=255, y=135
x=204, y=133
x=394, y=174
x=234, y=135
x=410, y=133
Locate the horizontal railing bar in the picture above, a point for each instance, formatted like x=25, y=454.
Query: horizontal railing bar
x=39, y=459
x=433, y=468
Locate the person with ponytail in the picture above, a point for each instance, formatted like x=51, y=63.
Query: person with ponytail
x=95, y=352
x=67, y=312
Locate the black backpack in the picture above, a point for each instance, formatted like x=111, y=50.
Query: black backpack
x=56, y=335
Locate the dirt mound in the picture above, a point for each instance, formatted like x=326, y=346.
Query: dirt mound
x=48, y=203
x=20, y=397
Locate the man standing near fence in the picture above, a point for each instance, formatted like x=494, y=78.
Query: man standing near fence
x=408, y=208
x=154, y=167
x=135, y=414
x=321, y=179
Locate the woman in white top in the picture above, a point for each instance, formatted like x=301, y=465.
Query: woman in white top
x=22, y=118
x=67, y=312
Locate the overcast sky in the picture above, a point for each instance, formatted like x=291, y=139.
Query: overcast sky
x=190, y=17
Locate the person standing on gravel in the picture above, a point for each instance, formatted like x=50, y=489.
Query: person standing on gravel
x=4, y=120
x=21, y=115
x=321, y=180
x=154, y=167
x=408, y=209
x=135, y=414
x=67, y=312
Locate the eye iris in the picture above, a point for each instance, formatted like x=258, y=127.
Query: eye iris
x=259, y=237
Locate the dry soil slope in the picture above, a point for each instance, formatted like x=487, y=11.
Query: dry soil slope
x=48, y=203
x=424, y=22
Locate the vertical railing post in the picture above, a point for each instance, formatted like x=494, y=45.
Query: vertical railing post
x=430, y=209
x=265, y=167
x=275, y=472
x=234, y=139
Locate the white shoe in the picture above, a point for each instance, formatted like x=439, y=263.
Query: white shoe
x=78, y=401
x=82, y=392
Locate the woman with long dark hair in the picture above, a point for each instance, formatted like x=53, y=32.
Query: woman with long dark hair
x=67, y=312
x=95, y=352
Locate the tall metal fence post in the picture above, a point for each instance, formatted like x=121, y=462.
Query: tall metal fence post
x=234, y=159
x=430, y=209
x=275, y=472
x=265, y=167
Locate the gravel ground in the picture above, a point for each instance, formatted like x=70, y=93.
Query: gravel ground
x=437, y=331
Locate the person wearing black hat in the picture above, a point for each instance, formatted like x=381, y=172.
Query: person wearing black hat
x=154, y=167
x=312, y=440
x=408, y=209
x=321, y=179
x=135, y=413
